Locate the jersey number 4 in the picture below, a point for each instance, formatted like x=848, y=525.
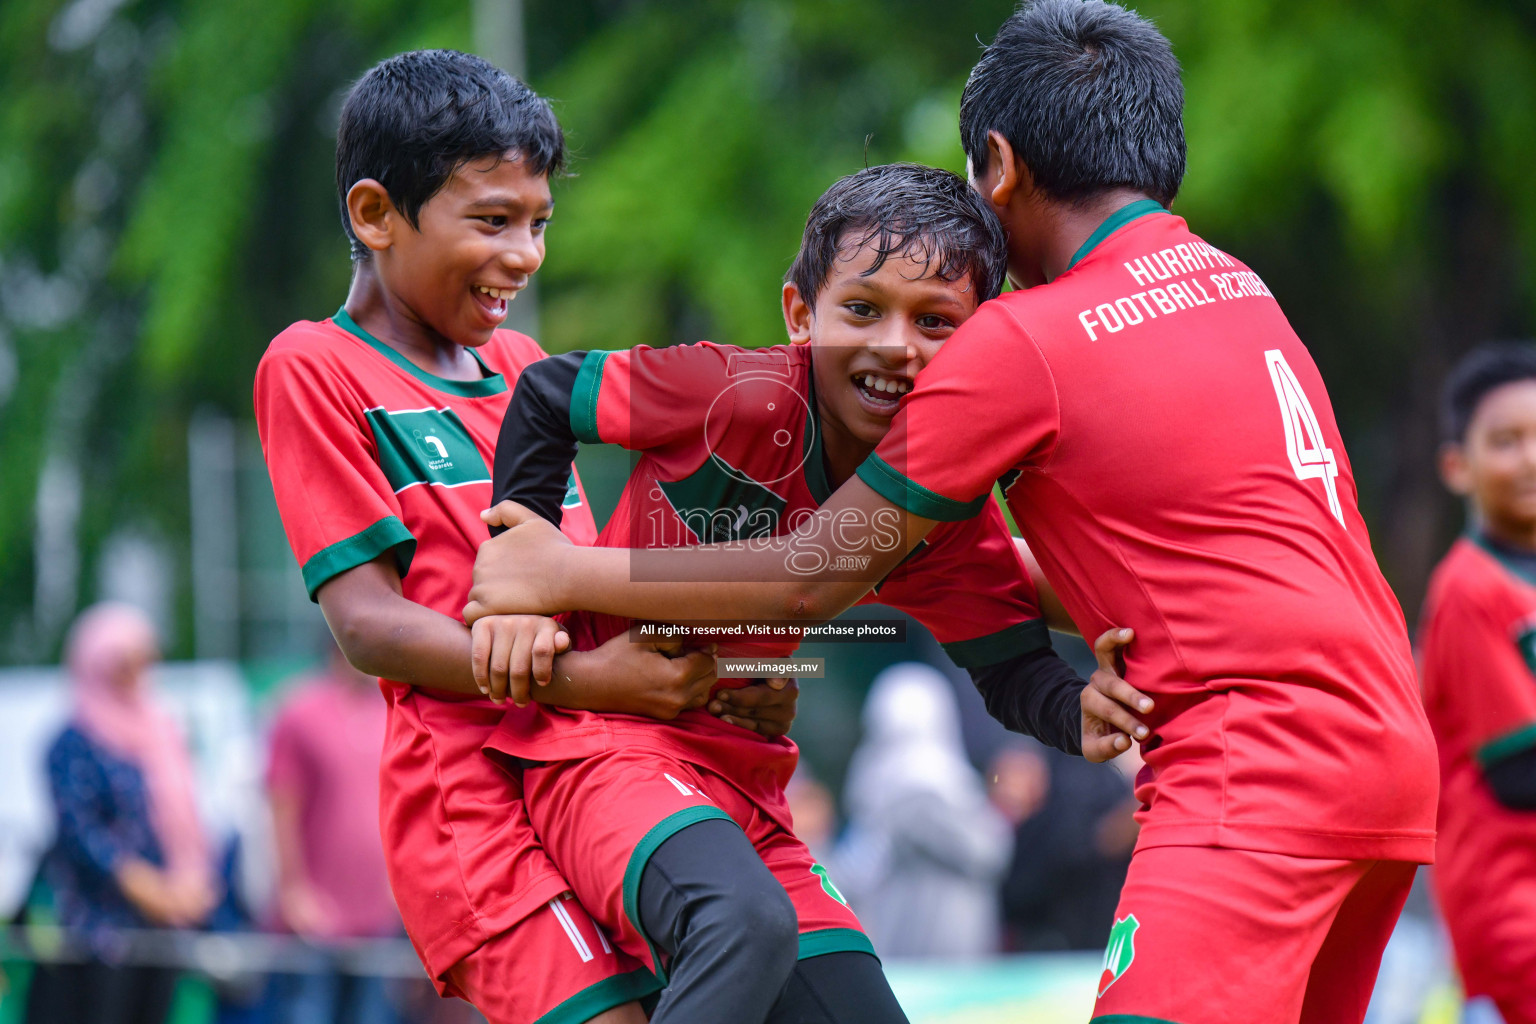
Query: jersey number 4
x=1310, y=457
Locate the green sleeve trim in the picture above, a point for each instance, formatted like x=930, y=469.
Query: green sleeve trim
x=914, y=497
x=1117, y=220
x=584, y=393
x=1507, y=746
x=336, y=559
x=1130, y=1018
x=603, y=996
x=834, y=940
x=663, y=830
x=1008, y=642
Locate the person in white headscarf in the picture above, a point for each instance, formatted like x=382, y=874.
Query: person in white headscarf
x=925, y=849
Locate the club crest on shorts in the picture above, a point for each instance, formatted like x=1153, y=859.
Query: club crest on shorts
x=826, y=884
x=1120, y=952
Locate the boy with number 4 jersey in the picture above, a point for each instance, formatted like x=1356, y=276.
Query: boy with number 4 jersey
x=378, y=427
x=678, y=836
x=1477, y=647
x=1168, y=449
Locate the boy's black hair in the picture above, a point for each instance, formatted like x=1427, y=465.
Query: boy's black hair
x=1489, y=366
x=414, y=118
x=1089, y=96
x=929, y=214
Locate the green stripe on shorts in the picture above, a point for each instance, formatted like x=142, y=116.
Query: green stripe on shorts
x=834, y=940
x=663, y=830
x=605, y=995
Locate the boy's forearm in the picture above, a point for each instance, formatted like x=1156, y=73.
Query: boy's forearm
x=1036, y=694
x=419, y=647
x=709, y=583
x=409, y=643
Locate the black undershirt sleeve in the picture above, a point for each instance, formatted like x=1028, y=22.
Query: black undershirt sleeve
x=1036, y=694
x=536, y=445
x=1513, y=780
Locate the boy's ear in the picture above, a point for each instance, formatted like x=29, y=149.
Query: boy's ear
x=1454, y=472
x=1008, y=178
x=1002, y=178
x=372, y=214
x=797, y=315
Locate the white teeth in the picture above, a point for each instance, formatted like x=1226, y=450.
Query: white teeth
x=497, y=293
x=886, y=385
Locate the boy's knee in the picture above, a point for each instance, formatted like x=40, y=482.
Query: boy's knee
x=764, y=921
x=756, y=918
x=768, y=919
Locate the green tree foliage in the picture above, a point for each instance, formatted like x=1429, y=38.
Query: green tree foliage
x=166, y=206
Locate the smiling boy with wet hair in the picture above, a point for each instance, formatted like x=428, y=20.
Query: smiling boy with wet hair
x=678, y=835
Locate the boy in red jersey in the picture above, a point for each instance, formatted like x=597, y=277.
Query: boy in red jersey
x=678, y=835
x=1168, y=449
x=378, y=427
x=1477, y=646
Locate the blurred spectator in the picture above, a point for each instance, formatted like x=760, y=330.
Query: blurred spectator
x=933, y=847
x=323, y=781
x=1072, y=847
x=129, y=851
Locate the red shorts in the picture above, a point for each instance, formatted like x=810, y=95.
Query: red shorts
x=602, y=817
x=555, y=967
x=1206, y=935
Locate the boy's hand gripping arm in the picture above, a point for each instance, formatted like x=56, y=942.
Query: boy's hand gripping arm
x=1038, y=694
x=533, y=459
x=384, y=633
x=532, y=568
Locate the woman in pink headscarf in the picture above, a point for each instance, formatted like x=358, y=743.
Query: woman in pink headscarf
x=129, y=852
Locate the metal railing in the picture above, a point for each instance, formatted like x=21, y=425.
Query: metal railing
x=219, y=955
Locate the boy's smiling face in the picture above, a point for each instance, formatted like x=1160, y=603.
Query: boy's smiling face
x=476, y=243
x=871, y=335
x=1495, y=463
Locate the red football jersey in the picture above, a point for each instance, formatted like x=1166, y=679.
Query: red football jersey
x=370, y=454
x=1477, y=645
x=1168, y=449
x=730, y=449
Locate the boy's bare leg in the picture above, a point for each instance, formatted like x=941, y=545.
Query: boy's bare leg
x=629, y=1013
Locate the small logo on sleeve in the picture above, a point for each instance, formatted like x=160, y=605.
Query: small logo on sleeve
x=1120, y=952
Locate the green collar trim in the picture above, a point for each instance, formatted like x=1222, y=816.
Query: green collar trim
x=1498, y=554
x=490, y=384
x=1117, y=220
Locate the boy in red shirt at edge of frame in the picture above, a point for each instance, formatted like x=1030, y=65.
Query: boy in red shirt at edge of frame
x=1477, y=654
x=378, y=426
x=1168, y=449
